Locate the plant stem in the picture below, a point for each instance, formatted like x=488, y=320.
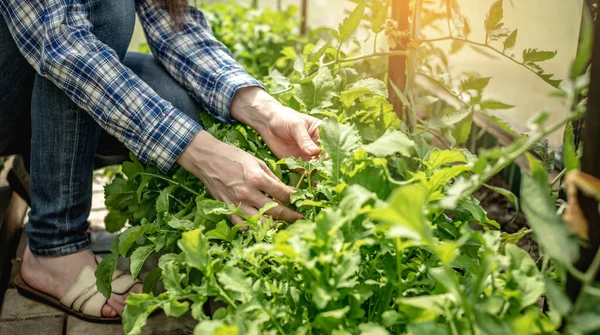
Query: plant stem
x=224, y=294
x=373, y=55
x=557, y=178
x=482, y=45
x=300, y=180
x=439, y=138
x=449, y=16
x=283, y=91
x=452, y=323
x=168, y=180
x=590, y=274
x=511, y=157
x=587, y=279
x=443, y=87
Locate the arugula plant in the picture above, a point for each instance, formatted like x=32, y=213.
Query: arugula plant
x=393, y=240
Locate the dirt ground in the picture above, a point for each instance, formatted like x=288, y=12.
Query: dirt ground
x=503, y=211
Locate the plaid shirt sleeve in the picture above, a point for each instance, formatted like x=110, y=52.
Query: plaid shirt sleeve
x=194, y=57
x=55, y=37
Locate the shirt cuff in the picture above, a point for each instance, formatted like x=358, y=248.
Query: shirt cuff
x=229, y=81
x=167, y=137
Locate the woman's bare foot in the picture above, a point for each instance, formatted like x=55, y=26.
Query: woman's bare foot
x=56, y=275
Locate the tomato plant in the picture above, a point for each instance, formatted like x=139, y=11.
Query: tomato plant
x=393, y=240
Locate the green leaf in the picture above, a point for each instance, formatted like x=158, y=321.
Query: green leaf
x=369, y=86
x=538, y=173
x=475, y=83
x=214, y=327
x=446, y=278
x=392, y=142
x=434, y=303
x=525, y=274
x=381, y=14
x=129, y=237
x=400, y=95
x=406, y=213
x=151, y=281
x=535, y=55
x=494, y=105
x=491, y=324
x=104, y=273
x=510, y=41
x=234, y=279
x=181, y=224
x=114, y=221
x=162, y=203
x=222, y=232
x=454, y=118
x=137, y=310
x=138, y=258
x=194, y=248
x=372, y=328
x=570, y=158
x=439, y=157
x=175, y=308
x=442, y=177
x=558, y=300
x=319, y=92
x=586, y=44
x=508, y=195
x=494, y=16
x=339, y=140
x=550, y=230
x=330, y=319
x=351, y=23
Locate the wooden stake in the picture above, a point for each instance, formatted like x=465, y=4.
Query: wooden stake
x=397, y=64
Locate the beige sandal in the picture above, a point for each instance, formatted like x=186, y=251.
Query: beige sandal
x=83, y=299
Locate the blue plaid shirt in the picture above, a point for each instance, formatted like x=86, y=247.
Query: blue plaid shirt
x=55, y=38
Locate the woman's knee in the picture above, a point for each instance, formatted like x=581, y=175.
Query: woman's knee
x=154, y=74
x=113, y=22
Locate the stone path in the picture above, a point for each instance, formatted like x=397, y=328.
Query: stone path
x=23, y=316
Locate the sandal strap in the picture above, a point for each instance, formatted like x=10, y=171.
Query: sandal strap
x=123, y=284
x=84, y=296
x=84, y=293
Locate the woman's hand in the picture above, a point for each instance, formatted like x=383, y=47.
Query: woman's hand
x=286, y=132
x=234, y=176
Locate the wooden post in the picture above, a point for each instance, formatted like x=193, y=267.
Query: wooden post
x=303, y=17
x=397, y=64
x=590, y=164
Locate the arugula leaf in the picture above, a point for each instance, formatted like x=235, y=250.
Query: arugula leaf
x=138, y=258
x=392, y=141
x=338, y=140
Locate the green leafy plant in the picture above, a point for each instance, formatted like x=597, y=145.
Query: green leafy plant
x=393, y=240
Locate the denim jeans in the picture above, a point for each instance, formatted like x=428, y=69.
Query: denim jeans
x=61, y=140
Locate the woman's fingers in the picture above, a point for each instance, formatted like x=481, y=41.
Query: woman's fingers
x=305, y=141
x=281, y=212
x=271, y=185
x=249, y=211
x=265, y=168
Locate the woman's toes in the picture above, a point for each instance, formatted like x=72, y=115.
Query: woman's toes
x=137, y=288
x=117, y=306
x=108, y=311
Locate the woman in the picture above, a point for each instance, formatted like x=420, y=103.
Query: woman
x=68, y=88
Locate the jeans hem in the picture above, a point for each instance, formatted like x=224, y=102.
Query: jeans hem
x=62, y=250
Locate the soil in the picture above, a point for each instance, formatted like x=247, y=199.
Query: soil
x=499, y=208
